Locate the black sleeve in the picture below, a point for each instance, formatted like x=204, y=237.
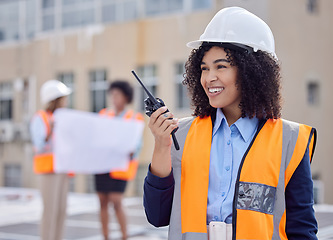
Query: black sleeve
x=157, y=198
x=301, y=222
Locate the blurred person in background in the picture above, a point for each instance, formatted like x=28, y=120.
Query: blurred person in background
x=111, y=186
x=53, y=186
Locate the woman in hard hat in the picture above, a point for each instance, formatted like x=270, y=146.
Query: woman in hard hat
x=54, y=186
x=110, y=187
x=242, y=172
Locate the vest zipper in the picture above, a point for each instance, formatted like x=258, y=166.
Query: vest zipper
x=234, y=209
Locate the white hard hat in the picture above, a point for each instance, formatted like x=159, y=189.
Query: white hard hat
x=53, y=89
x=238, y=26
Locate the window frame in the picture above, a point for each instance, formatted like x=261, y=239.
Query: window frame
x=6, y=95
x=313, y=93
x=68, y=78
x=149, y=76
x=182, y=99
x=97, y=85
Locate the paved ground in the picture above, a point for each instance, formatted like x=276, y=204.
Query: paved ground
x=20, y=210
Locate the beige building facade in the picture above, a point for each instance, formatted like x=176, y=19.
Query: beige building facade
x=87, y=51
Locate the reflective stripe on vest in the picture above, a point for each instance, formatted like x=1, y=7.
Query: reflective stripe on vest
x=132, y=168
x=284, y=144
x=281, y=142
x=43, y=161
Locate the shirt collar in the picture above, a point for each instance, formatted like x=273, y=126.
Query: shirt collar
x=245, y=126
x=218, y=120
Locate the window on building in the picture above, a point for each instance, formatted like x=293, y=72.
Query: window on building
x=313, y=93
x=48, y=3
x=109, y=12
x=312, y=6
x=115, y=11
x=98, y=88
x=48, y=22
x=12, y=176
x=30, y=18
x=48, y=15
x=68, y=80
x=77, y=13
x=17, y=19
x=201, y=4
x=6, y=100
x=156, y=7
x=130, y=10
x=182, y=98
x=22, y=19
x=9, y=20
x=148, y=75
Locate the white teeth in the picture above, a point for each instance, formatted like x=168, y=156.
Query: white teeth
x=215, y=90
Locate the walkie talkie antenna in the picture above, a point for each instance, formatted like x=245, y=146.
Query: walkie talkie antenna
x=152, y=104
x=152, y=98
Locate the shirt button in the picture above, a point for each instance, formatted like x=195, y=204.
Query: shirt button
x=223, y=194
x=229, y=142
x=227, y=168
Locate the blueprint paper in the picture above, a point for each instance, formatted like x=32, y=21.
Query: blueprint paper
x=86, y=142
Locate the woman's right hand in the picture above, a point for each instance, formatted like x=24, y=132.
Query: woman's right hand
x=161, y=126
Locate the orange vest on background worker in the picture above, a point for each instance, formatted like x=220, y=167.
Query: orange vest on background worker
x=43, y=160
x=133, y=164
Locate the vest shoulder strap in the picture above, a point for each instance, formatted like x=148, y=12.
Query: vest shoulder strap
x=46, y=119
x=107, y=112
x=139, y=117
x=195, y=175
x=306, y=139
x=130, y=114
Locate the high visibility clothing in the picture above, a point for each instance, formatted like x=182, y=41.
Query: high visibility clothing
x=133, y=164
x=43, y=159
x=259, y=202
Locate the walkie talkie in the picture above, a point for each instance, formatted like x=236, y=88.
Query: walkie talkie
x=152, y=104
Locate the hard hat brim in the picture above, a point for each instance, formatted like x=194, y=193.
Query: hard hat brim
x=194, y=44
x=65, y=93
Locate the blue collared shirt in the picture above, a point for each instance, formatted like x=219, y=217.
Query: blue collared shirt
x=228, y=147
x=38, y=133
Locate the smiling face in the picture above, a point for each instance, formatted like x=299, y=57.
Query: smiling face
x=218, y=79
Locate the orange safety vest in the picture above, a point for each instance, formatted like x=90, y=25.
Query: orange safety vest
x=266, y=168
x=43, y=161
x=133, y=164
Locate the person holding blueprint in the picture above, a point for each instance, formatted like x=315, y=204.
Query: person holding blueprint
x=111, y=186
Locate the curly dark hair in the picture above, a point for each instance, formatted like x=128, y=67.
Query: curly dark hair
x=124, y=87
x=258, y=75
